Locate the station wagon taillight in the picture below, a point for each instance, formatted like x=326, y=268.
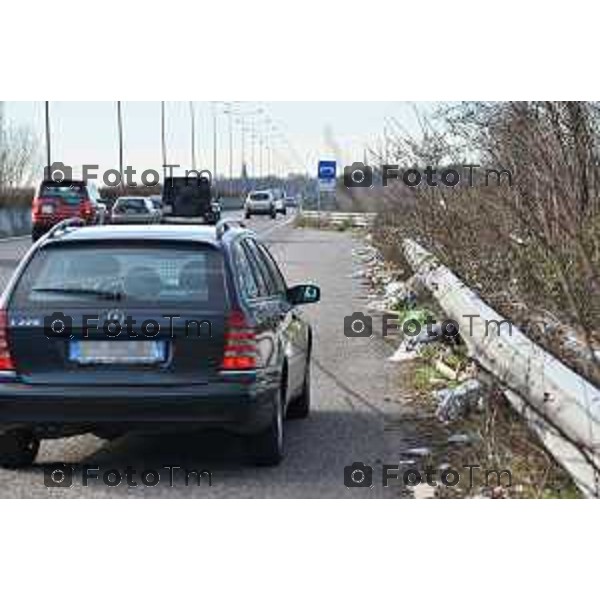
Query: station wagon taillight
x=86, y=209
x=240, y=350
x=6, y=361
x=35, y=207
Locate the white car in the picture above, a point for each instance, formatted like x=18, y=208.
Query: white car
x=134, y=209
x=260, y=202
x=280, y=206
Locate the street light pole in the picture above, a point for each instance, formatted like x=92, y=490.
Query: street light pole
x=243, y=129
x=214, y=141
x=243, y=169
x=253, y=147
x=268, y=148
x=48, y=149
x=163, y=140
x=120, y=133
x=260, y=155
x=229, y=113
x=193, y=135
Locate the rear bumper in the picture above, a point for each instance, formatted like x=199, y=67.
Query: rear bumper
x=240, y=407
x=199, y=220
x=259, y=209
x=45, y=223
x=129, y=220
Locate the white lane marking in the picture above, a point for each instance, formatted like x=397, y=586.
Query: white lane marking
x=14, y=238
x=271, y=229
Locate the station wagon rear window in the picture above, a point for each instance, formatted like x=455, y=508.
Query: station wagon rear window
x=66, y=194
x=137, y=204
x=123, y=274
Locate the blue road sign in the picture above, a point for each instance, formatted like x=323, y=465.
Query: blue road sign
x=327, y=170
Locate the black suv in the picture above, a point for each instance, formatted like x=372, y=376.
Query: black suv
x=110, y=329
x=191, y=197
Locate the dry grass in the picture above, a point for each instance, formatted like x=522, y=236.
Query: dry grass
x=532, y=250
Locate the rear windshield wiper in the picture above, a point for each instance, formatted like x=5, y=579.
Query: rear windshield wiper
x=104, y=294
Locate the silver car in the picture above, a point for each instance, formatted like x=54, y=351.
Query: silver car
x=135, y=209
x=260, y=203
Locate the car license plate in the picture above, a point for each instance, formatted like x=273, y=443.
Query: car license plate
x=47, y=209
x=109, y=352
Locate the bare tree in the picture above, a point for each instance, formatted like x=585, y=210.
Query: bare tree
x=17, y=156
x=531, y=248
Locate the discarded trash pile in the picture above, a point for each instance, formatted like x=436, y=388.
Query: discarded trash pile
x=463, y=414
x=398, y=294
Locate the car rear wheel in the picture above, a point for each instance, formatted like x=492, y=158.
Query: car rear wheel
x=247, y=215
x=273, y=214
x=299, y=408
x=265, y=449
x=36, y=234
x=18, y=448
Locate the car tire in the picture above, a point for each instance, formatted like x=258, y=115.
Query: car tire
x=109, y=436
x=273, y=214
x=36, y=234
x=265, y=449
x=299, y=408
x=247, y=215
x=18, y=449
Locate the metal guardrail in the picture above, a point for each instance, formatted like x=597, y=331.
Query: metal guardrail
x=14, y=221
x=353, y=218
x=558, y=404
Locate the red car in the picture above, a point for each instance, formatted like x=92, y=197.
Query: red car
x=66, y=199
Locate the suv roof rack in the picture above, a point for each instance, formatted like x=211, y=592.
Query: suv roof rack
x=64, y=225
x=225, y=225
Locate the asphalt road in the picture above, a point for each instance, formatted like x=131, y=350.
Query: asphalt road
x=347, y=424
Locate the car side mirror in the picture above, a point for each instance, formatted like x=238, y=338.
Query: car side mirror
x=304, y=294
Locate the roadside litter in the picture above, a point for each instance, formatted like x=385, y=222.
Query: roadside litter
x=392, y=295
x=454, y=403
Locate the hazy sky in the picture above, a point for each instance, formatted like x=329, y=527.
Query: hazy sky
x=86, y=132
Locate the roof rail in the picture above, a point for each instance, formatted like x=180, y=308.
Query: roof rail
x=64, y=225
x=226, y=224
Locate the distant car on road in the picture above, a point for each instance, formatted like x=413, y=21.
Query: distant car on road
x=260, y=202
x=280, y=206
x=291, y=202
x=191, y=197
x=134, y=209
x=57, y=201
x=158, y=204
x=209, y=335
x=106, y=204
